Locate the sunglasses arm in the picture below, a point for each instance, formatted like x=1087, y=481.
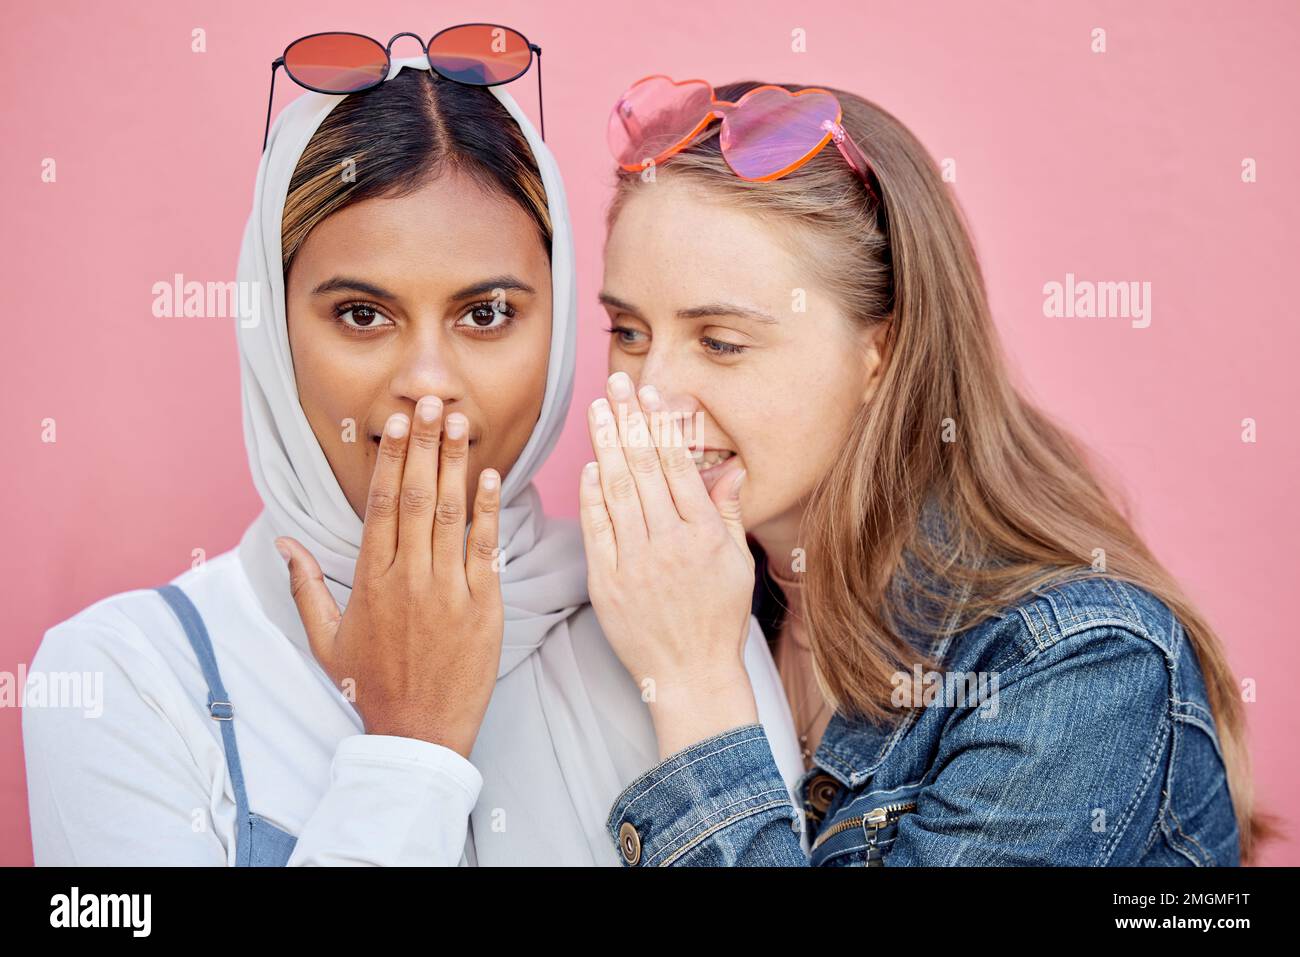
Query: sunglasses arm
x=541, y=111
x=275, y=65
x=853, y=155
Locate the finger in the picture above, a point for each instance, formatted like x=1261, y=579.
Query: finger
x=690, y=494
x=616, y=480
x=420, y=485
x=316, y=606
x=597, y=529
x=642, y=458
x=379, y=531
x=449, y=516
x=726, y=497
x=482, y=565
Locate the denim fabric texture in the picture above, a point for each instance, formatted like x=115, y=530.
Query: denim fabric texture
x=1097, y=747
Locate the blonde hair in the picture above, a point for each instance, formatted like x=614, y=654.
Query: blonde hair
x=1020, y=503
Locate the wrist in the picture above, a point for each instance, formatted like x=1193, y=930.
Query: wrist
x=688, y=708
x=420, y=728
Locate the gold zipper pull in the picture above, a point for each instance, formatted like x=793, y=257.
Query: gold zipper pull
x=877, y=818
x=874, y=819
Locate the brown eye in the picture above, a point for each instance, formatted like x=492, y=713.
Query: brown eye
x=488, y=317
x=360, y=316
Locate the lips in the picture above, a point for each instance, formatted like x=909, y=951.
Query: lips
x=715, y=464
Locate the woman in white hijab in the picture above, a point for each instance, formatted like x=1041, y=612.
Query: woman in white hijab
x=156, y=776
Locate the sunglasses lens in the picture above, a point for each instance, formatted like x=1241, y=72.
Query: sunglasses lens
x=771, y=131
x=654, y=116
x=336, y=62
x=481, y=54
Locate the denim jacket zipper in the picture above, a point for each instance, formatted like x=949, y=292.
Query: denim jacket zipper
x=871, y=823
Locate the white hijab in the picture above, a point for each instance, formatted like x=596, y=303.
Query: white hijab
x=566, y=729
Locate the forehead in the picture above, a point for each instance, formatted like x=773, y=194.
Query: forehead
x=452, y=226
x=677, y=246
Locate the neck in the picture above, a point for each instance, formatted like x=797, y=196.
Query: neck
x=779, y=539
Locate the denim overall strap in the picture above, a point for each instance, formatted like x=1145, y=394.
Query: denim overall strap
x=219, y=706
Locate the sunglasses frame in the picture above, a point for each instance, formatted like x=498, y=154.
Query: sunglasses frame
x=719, y=110
x=534, y=53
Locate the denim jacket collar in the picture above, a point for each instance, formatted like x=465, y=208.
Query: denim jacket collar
x=853, y=747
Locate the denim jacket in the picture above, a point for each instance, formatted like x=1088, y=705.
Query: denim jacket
x=1081, y=737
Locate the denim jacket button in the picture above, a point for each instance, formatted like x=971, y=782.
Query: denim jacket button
x=819, y=793
x=629, y=841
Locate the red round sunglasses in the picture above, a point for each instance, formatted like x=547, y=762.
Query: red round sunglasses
x=766, y=134
x=476, y=54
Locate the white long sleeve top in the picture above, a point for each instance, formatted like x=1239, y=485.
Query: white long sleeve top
x=135, y=773
x=139, y=777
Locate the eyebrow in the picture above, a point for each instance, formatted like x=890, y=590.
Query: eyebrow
x=697, y=312
x=351, y=284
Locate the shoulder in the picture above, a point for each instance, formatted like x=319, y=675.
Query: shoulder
x=1100, y=687
x=132, y=630
x=1092, y=617
x=1090, y=650
x=1074, y=607
x=107, y=681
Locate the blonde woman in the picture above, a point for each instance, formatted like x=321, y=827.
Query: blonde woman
x=798, y=296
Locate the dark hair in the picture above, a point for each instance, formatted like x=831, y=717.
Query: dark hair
x=392, y=139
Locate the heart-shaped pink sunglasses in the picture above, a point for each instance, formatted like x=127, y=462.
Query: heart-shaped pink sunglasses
x=766, y=134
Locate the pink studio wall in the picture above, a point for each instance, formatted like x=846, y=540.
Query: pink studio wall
x=1119, y=166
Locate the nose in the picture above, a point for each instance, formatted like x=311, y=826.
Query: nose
x=662, y=370
x=678, y=393
x=427, y=367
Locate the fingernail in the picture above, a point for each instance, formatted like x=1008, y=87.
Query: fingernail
x=283, y=550
x=740, y=480
x=456, y=424
x=428, y=407
x=621, y=385
x=591, y=473
x=490, y=480
x=649, y=395
x=397, y=424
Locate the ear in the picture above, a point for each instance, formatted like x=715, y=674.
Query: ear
x=875, y=356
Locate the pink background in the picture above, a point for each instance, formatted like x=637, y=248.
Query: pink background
x=1121, y=166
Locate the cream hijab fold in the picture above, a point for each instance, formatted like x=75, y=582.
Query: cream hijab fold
x=566, y=729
